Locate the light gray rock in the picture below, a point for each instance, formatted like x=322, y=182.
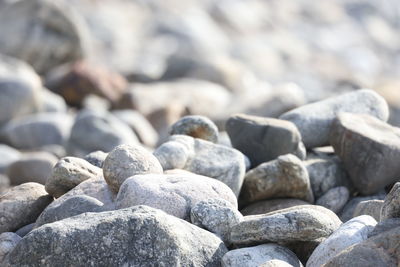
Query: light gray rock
x=21, y=205
x=125, y=161
x=334, y=199
x=368, y=148
x=8, y=155
x=52, y=102
x=263, y=139
x=96, y=158
x=204, y=158
x=266, y=206
x=68, y=173
x=32, y=167
x=314, y=120
x=175, y=194
x=369, y=207
x=216, y=215
x=260, y=255
x=352, y=232
x=23, y=231
x=300, y=223
x=8, y=241
x=136, y=236
x=348, y=210
x=391, y=205
x=284, y=177
x=196, y=126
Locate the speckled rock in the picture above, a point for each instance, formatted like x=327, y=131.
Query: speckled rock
x=266, y=206
x=8, y=241
x=334, y=199
x=391, y=205
x=125, y=161
x=137, y=236
x=369, y=207
x=196, y=126
x=96, y=158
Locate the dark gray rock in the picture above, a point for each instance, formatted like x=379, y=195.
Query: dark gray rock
x=96, y=158
x=23, y=231
x=391, y=205
x=369, y=149
x=314, y=120
x=348, y=210
x=384, y=226
x=334, y=199
x=263, y=139
x=8, y=155
x=369, y=207
x=266, y=206
x=137, y=236
x=8, y=241
x=196, y=126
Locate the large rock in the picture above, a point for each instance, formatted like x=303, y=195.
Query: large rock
x=391, y=205
x=284, y=177
x=334, y=199
x=205, y=158
x=369, y=149
x=175, y=194
x=264, y=139
x=197, y=127
x=137, y=236
x=21, y=205
x=8, y=241
x=314, y=120
x=352, y=232
x=266, y=206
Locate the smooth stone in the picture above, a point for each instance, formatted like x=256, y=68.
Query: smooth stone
x=8, y=155
x=299, y=223
x=385, y=225
x=196, y=126
x=266, y=206
x=348, y=210
x=96, y=158
x=204, y=158
x=136, y=236
x=23, y=231
x=263, y=139
x=391, y=205
x=125, y=161
x=8, y=241
x=259, y=255
x=32, y=167
x=68, y=173
x=284, y=177
x=334, y=199
x=369, y=207
x=352, y=232
x=369, y=149
x=21, y=205
x=175, y=194
x=52, y=102
x=314, y=120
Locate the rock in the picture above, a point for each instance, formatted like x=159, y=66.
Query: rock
x=300, y=223
x=98, y=130
x=175, y=194
x=56, y=150
x=314, y=120
x=21, y=205
x=137, y=236
x=260, y=255
x=266, y=206
x=68, y=173
x=352, y=232
x=72, y=206
x=8, y=155
x=8, y=241
x=391, y=205
x=32, y=167
x=204, y=158
x=4, y=183
x=263, y=139
x=368, y=148
x=216, y=215
x=369, y=207
x=334, y=199
x=125, y=161
x=96, y=158
x=196, y=126
x=37, y=130
x=304, y=249
x=284, y=177
x=23, y=231
x=348, y=210
x=52, y=102
x=384, y=226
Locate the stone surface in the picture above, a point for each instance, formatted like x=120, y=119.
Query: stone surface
x=216, y=215
x=24, y=230
x=260, y=255
x=352, y=232
x=314, y=120
x=4, y=183
x=369, y=207
x=369, y=149
x=334, y=199
x=125, y=161
x=52, y=102
x=32, y=167
x=96, y=158
x=391, y=205
x=21, y=205
x=137, y=236
x=301, y=223
x=384, y=226
x=263, y=139
x=175, y=194
x=68, y=173
x=205, y=158
x=8, y=155
x=8, y=241
x=284, y=177
x=196, y=126
x=266, y=206
x=348, y=210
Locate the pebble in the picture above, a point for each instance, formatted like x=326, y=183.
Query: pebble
x=52, y=102
x=369, y=207
x=196, y=126
x=334, y=199
x=8, y=241
x=96, y=158
x=391, y=205
x=266, y=206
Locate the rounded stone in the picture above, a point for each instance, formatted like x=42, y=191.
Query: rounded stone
x=196, y=126
x=335, y=199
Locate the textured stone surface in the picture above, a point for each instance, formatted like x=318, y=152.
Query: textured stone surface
x=369, y=149
x=125, y=161
x=173, y=193
x=196, y=126
x=391, y=205
x=96, y=158
x=352, y=232
x=263, y=139
x=8, y=241
x=21, y=205
x=369, y=207
x=314, y=120
x=284, y=177
x=137, y=236
x=334, y=199
x=266, y=206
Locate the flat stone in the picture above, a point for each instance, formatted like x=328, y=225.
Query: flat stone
x=369, y=149
x=314, y=120
x=8, y=241
x=196, y=126
x=266, y=206
x=335, y=199
x=369, y=207
x=391, y=205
